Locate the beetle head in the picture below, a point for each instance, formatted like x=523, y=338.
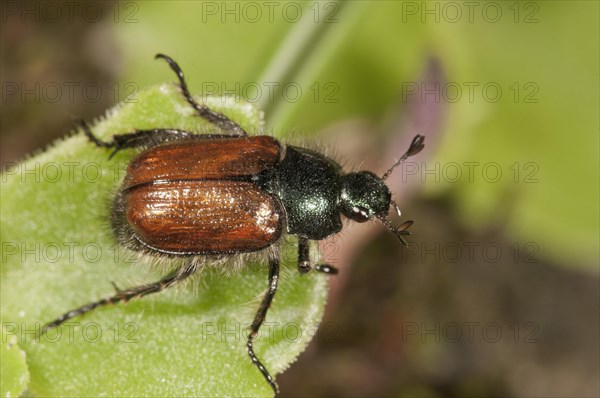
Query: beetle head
x=365, y=196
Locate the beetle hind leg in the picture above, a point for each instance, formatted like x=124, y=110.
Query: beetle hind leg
x=137, y=139
x=127, y=294
x=218, y=119
x=304, y=260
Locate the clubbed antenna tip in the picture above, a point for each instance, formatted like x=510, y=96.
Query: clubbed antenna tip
x=398, y=231
x=416, y=146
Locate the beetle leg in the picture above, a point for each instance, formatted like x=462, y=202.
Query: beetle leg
x=143, y=138
x=136, y=139
x=327, y=269
x=303, y=255
x=260, y=317
x=218, y=119
x=127, y=294
x=304, y=260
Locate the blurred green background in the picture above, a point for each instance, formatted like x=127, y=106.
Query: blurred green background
x=505, y=196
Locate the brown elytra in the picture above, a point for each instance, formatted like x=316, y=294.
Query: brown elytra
x=198, y=196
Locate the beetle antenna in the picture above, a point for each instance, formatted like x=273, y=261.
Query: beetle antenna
x=398, y=231
x=415, y=147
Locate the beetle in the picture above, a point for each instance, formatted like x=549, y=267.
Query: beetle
x=191, y=195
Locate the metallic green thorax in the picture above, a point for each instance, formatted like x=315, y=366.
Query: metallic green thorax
x=309, y=188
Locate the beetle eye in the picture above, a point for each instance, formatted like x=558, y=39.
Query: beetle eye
x=360, y=214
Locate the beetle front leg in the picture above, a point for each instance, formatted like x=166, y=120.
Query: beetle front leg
x=260, y=318
x=304, y=260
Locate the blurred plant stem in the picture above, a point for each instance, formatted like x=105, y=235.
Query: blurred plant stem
x=303, y=52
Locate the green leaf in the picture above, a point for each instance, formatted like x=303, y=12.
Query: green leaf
x=58, y=253
x=14, y=375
